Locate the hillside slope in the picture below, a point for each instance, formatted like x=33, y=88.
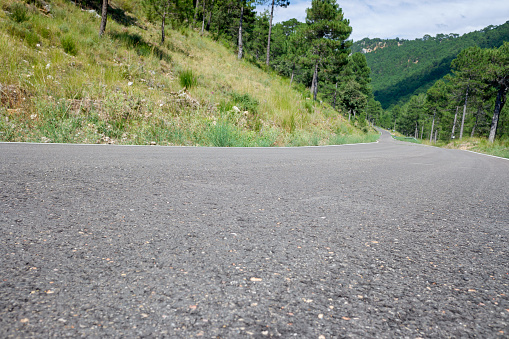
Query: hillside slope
x=61, y=82
x=401, y=68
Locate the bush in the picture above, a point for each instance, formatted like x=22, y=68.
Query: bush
x=24, y=31
x=308, y=105
x=188, y=79
x=223, y=134
x=19, y=13
x=69, y=45
x=245, y=102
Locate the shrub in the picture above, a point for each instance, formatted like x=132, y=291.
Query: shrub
x=245, y=102
x=308, y=105
x=19, y=13
x=69, y=45
x=64, y=28
x=289, y=122
x=223, y=134
x=32, y=38
x=188, y=79
x=25, y=32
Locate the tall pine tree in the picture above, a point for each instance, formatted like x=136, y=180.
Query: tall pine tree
x=326, y=33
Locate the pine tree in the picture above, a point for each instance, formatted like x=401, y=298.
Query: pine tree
x=496, y=73
x=467, y=71
x=436, y=101
x=278, y=3
x=157, y=10
x=326, y=33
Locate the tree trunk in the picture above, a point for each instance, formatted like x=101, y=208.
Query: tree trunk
x=499, y=104
x=422, y=131
x=476, y=121
x=335, y=95
x=291, y=79
x=162, y=27
x=432, y=126
x=454, y=124
x=464, y=113
x=270, y=31
x=104, y=17
x=436, y=135
x=203, y=18
x=240, y=31
x=196, y=12
x=416, y=134
x=349, y=114
x=210, y=16
x=314, y=83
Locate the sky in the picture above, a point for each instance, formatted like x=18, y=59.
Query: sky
x=408, y=19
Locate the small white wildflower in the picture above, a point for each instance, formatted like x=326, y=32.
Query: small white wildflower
x=47, y=66
x=130, y=83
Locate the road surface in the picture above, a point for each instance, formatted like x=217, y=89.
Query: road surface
x=382, y=240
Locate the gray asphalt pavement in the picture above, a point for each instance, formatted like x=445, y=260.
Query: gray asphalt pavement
x=380, y=240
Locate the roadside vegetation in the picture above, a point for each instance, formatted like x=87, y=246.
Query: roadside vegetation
x=62, y=82
x=408, y=139
x=499, y=148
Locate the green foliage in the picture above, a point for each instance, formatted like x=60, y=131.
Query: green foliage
x=223, y=134
x=326, y=33
x=471, y=99
x=19, y=12
x=25, y=32
x=408, y=139
x=245, y=102
x=499, y=148
x=340, y=139
x=256, y=36
x=188, y=79
x=308, y=105
x=69, y=44
x=142, y=47
x=402, y=68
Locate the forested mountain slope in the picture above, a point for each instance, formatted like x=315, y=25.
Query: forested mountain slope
x=401, y=68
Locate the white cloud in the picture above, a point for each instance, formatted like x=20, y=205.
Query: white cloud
x=409, y=19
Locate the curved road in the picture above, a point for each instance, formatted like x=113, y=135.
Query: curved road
x=379, y=240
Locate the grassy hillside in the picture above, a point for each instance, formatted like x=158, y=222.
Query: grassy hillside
x=402, y=68
x=61, y=82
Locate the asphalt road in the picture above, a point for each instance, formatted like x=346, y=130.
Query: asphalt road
x=380, y=240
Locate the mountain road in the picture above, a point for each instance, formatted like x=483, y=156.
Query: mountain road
x=379, y=240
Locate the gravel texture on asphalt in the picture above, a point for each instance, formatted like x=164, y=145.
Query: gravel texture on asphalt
x=380, y=240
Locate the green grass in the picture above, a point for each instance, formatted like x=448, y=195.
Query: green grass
x=499, y=148
x=19, y=12
x=187, y=79
x=354, y=139
x=408, y=139
x=69, y=45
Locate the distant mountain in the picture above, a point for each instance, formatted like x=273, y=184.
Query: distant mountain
x=401, y=68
